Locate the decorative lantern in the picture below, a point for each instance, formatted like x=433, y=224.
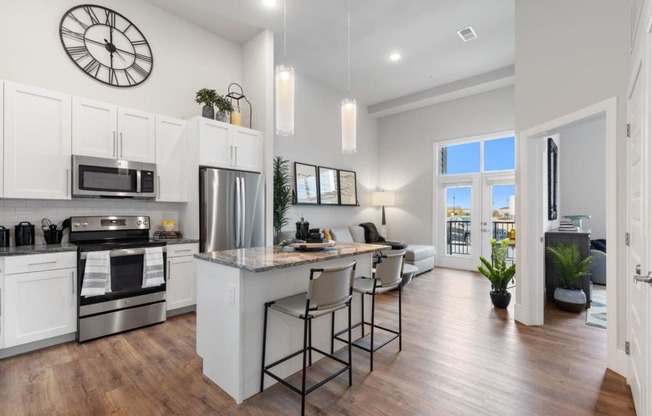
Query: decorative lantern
x=236, y=114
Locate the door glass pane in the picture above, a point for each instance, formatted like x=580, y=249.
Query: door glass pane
x=459, y=158
x=458, y=220
x=499, y=154
x=503, y=214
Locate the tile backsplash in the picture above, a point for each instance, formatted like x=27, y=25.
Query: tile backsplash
x=13, y=211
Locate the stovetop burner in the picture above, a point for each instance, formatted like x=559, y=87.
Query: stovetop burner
x=111, y=232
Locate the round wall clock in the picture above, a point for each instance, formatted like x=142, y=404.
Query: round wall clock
x=106, y=45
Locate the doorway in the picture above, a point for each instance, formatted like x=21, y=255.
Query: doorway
x=474, y=198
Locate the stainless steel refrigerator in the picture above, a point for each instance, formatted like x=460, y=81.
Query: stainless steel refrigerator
x=231, y=209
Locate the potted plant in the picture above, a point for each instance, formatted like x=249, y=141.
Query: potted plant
x=224, y=107
x=498, y=273
x=282, y=194
x=569, y=266
x=207, y=97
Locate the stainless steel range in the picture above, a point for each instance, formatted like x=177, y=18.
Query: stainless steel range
x=128, y=304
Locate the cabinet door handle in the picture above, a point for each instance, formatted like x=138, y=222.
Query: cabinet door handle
x=183, y=251
x=231, y=156
x=72, y=279
x=115, y=144
x=67, y=182
x=42, y=263
x=168, y=269
x=121, y=146
x=236, y=156
x=158, y=186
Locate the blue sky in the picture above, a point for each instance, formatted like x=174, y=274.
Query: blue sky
x=465, y=158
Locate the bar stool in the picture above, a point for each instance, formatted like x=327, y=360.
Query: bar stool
x=388, y=276
x=329, y=290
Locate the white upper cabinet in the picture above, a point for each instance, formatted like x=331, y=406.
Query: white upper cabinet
x=248, y=149
x=223, y=145
x=136, y=135
x=94, y=128
x=170, y=156
x=106, y=130
x=37, y=143
x=214, y=143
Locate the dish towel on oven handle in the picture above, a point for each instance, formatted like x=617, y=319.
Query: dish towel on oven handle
x=153, y=267
x=97, y=274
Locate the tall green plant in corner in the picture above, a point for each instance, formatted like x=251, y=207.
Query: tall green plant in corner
x=282, y=193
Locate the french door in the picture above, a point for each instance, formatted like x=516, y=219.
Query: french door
x=471, y=210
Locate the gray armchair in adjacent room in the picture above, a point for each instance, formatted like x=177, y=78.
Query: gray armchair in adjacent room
x=598, y=267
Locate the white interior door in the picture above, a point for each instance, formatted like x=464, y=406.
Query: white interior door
x=638, y=253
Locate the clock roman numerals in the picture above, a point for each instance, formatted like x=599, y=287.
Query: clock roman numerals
x=106, y=45
x=93, y=67
x=77, y=52
x=91, y=13
x=71, y=34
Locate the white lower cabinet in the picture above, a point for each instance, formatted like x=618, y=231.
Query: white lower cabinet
x=181, y=279
x=39, y=299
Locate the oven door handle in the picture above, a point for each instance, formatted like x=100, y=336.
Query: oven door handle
x=122, y=252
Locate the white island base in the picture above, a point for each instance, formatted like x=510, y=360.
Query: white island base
x=230, y=314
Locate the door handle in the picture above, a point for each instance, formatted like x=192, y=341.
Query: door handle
x=158, y=187
x=238, y=216
x=67, y=182
x=114, y=145
x=121, y=147
x=168, y=269
x=72, y=279
x=243, y=206
x=236, y=157
x=485, y=230
x=643, y=279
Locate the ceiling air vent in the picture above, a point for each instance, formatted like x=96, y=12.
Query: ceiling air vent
x=467, y=34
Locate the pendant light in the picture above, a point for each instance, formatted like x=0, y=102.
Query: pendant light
x=349, y=107
x=284, y=80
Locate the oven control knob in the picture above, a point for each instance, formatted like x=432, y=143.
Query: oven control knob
x=145, y=222
x=75, y=224
x=139, y=222
x=84, y=224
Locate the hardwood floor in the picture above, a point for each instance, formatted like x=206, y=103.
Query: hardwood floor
x=460, y=356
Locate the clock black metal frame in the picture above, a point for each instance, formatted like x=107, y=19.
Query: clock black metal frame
x=74, y=34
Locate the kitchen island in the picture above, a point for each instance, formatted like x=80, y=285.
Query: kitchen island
x=232, y=288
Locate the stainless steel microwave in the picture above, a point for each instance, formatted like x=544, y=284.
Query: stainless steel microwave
x=112, y=178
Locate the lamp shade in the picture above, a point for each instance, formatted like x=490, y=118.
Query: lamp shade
x=349, y=115
x=385, y=199
x=284, y=100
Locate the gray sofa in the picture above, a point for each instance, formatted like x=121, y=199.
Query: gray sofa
x=420, y=256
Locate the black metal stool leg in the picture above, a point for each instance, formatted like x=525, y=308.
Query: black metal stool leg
x=362, y=317
x=350, y=360
x=373, y=324
x=309, y=342
x=332, y=332
x=262, y=367
x=400, y=332
x=303, y=377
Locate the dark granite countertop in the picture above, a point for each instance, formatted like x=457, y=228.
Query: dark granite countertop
x=172, y=241
x=262, y=259
x=37, y=249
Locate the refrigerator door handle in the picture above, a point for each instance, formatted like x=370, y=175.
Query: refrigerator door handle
x=243, y=208
x=238, y=215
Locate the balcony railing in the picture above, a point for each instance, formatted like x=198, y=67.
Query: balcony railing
x=458, y=235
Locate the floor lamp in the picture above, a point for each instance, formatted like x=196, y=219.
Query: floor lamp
x=383, y=199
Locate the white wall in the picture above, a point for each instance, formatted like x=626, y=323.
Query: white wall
x=569, y=56
x=405, y=154
x=582, y=174
x=186, y=57
x=318, y=141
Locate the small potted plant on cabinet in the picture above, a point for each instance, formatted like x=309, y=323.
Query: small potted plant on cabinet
x=498, y=273
x=569, y=266
x=207, y=97
x=224, y=107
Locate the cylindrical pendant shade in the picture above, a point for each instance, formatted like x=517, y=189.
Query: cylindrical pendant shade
x=284, y=100
x=349, y=115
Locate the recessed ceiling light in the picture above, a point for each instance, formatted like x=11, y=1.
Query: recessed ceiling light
x=269, y=3
x=394, y=56
x=467, y=34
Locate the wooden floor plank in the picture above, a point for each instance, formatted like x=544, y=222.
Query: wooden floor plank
x=460, y=357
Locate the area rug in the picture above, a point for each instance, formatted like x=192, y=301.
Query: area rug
x=596, y=315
